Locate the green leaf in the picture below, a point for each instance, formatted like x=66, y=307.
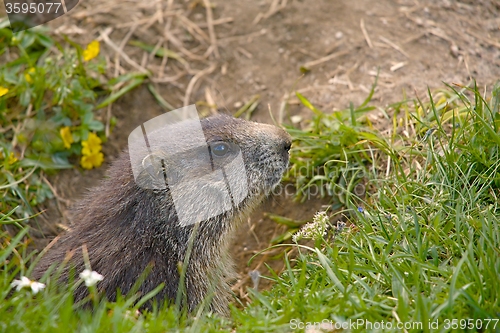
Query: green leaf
x=285, y=221
x=126, y=77
x=166, y=105
x=96, y=125
x=45, y=165
x=28, y=40
x=5, y=253
x=45, y=40
x=308, y=104
x=133, y=84
x=160, y=52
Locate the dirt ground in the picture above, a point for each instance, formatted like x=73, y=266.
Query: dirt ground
x=234, y=50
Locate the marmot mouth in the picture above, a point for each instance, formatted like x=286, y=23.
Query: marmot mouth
x=275, y=178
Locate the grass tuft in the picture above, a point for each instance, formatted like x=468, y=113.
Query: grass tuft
x=420, y=250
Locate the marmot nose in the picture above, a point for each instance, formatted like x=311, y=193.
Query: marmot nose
x=285, y=146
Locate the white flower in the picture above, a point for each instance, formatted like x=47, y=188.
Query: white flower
x=27, y=283
x=315, y=229
x=91, y=277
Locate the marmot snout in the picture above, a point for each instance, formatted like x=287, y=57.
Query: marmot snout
x=192, y=200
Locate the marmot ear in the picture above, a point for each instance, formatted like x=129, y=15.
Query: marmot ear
x=154, y=164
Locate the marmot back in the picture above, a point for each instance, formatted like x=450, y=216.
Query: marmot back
x=130, y=225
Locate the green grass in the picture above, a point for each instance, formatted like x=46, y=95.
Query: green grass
x=47, y=86
x=421, y=245
x=424, y=244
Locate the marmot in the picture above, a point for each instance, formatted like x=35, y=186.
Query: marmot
x=129, y=228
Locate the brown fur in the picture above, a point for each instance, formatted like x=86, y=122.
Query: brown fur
x=128, y=229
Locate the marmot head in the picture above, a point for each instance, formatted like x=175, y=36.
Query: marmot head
x=216, y=165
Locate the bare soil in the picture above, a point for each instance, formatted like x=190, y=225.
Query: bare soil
x=258, y=48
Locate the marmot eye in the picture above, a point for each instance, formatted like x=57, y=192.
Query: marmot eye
x=220, y=149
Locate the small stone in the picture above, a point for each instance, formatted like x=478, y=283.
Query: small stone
x=339, y=34
x=296, y=119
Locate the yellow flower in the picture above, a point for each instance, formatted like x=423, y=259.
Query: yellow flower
x=12, y=158
x=3, y=91
x=91, y=151
x=91, y=51
x=66, y=136
x=91, y=161
x=92, y=145
x=27, y=75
